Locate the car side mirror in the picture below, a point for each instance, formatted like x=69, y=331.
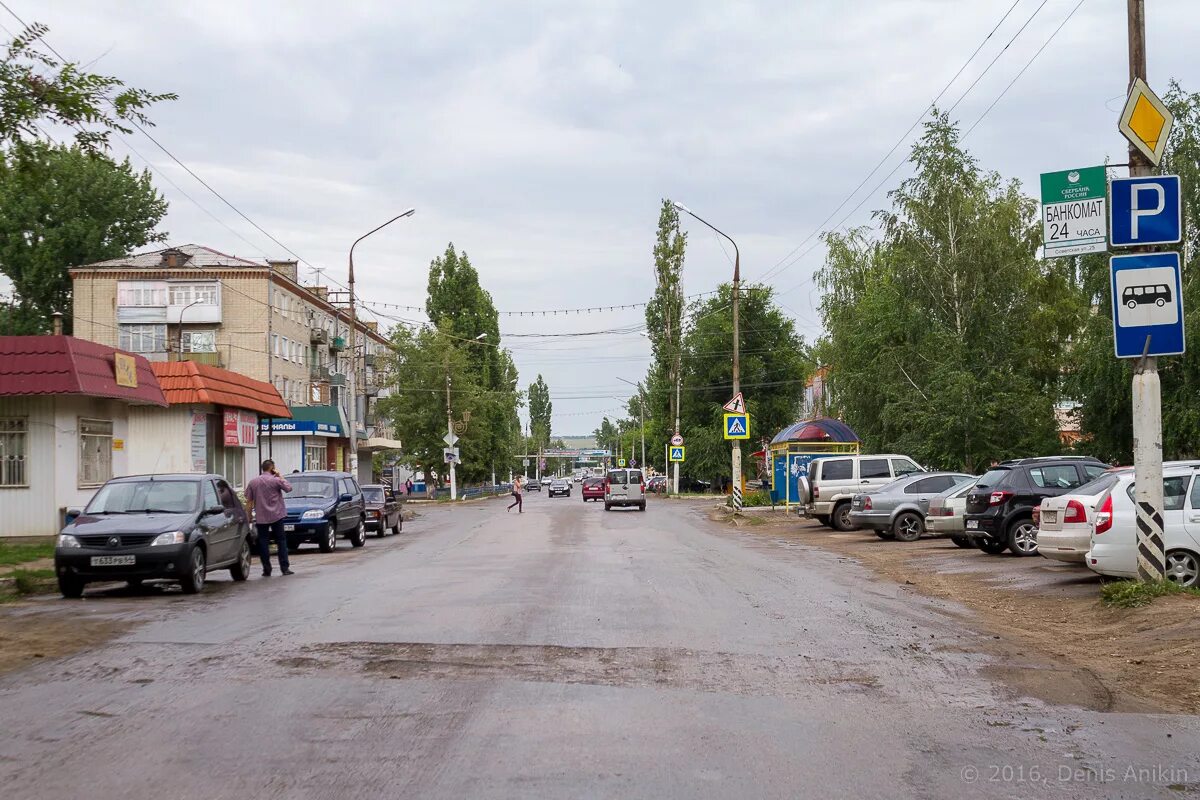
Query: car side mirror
x=346, y=498
x=215, y=510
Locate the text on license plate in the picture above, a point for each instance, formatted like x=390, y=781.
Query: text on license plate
x=1050, y=516
x=113, y=561
x=972, y=524
x=288, y=528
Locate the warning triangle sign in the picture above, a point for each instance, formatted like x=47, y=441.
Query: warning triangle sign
x=737, y=405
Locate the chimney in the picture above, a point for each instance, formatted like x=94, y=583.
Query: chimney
x=322, y=292
x=173, y=258
x=288, y=269
x=57, y=315
x=373, y=327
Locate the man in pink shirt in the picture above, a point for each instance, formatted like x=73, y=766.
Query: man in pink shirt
x=265, y=494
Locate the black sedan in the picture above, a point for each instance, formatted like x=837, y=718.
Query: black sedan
x=177, y=527
x=560, y=488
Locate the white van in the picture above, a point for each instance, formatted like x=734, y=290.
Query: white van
x=834, y=480
x=625, y=487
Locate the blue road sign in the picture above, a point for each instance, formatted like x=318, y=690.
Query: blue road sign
x=677, y=453
x=1147, y=304
x=1146, y=210
x=737, y=426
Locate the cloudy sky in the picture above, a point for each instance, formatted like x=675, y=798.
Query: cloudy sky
x=541, y=136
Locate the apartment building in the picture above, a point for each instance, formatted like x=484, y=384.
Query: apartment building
x=193, y=303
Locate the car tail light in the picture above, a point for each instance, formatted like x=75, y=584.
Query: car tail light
x=816, y=492
x=999, y=498
x=1075, y=512
x=1037, y=515
x=1104, y=516
x=867, y=503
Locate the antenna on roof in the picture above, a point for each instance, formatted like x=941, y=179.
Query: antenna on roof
x=317, y=275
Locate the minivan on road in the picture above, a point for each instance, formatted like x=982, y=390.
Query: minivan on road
x=624, y=487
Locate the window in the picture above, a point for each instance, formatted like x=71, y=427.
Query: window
x=228, y=498
x=210, y=496
x=1093, y=471
x=934, y=485
x=1174, y=491
x=1061, y=476
x=314, y=455
x=141, y=293
x=837, y=469
x=903, y=466
x=199, y=341
x=143, y=338
x=635, y=476
x=873, y=468
x=201, y=294
x=123, y=497
x=14, y=445
x=95, y=451
x=345, y=486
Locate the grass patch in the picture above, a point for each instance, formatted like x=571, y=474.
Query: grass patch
x=22, y=552
x=24, y=582
x=1134, y=594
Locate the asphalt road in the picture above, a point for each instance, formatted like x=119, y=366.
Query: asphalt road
x=565, y=652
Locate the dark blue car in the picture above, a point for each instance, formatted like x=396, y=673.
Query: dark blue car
x=323, y=506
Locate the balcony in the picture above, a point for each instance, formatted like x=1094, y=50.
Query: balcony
x=337, y=380
x=369, y=360
x=319, y=336
x=211, y=359
x=369, y=419
x=319, y=372
x=370, y=390
x=337, y=344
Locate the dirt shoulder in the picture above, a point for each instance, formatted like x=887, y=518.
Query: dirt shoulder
x=31, y=633
x=1041, y=612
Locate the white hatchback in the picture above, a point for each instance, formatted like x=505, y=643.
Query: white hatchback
x=1065, y=522
x=1114, y=532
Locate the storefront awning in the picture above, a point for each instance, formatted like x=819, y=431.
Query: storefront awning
x=185, y=382
x=64, y=365
x=379, y=443
x=308, y=420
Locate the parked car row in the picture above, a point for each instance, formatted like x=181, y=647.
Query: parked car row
x=1073, y=509
x=180, y=527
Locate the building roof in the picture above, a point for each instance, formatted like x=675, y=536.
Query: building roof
x=820, y=429
x=198, y=256
x=54, y=365
x=188, y=382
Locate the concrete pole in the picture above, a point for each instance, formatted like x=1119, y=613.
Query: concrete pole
x=1147, y=394
x=450, y=433
x=678, y=379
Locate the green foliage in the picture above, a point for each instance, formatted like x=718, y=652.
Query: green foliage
x=664, y=325
x=33, y=581
x=21, y=552
x=1102, y=383
x=1134, y=594
x=756, y=499
x=61, y=207
x=36, y=89
x=775, y=364
x=540, y=411
x=946, y=336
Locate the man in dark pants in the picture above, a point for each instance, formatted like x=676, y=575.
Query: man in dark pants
x=265, y=494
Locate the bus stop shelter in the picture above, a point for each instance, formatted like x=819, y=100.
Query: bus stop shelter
x=796, y=446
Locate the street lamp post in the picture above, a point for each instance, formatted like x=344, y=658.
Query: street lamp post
x=641, y=416
x=352, y=384
x=736, y=488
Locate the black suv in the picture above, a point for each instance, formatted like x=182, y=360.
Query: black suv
x=999, y=513
x=323, y=506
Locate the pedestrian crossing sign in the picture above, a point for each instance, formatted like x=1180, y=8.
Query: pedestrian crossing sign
x=677, y=453
x=737, y=426
x=620, y=462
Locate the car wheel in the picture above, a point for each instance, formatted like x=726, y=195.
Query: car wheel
x=962, y=541
x=841, y=517
x=607, y=507
x=381, y=531
x=359, y=537
x=908, y=527
x=1022, y=538
x=70, y=586
x=823, y=519
x=241, y=568
x=399, y=526
x=193, y=580
x=1183, y=568
x=992, y=547
x=329, y=543
x=642, y=507
x=885, y=534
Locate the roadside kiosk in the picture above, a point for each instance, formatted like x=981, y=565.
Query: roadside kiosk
x=796, y=446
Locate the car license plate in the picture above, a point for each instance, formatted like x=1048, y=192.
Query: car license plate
x=289, y=528
x=619, y=497
x=1050, y=516
x=972, y=524
x=113, y=561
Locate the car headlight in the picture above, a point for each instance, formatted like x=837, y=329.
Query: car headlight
x=173, y=537
x=67, y=540
x=313, y=513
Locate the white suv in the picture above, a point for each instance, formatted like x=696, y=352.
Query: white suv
x=834, y=480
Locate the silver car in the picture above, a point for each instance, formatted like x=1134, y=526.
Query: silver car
x=897, y=510
x=945, y=514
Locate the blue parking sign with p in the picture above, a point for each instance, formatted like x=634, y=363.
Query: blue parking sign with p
x=1146, y=210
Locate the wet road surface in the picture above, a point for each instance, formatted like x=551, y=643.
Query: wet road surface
x=565, y=652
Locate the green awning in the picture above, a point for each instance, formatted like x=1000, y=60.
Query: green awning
x=308, y=419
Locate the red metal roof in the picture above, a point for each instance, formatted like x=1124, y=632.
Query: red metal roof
x=51, y=365
x=188, y=382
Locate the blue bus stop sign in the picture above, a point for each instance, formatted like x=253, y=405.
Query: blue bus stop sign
x=1147, y=304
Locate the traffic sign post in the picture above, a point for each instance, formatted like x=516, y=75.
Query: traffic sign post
x=677, y=453
x=620, y=462
x=1147, y=210
x=1073, y=216
x=737, y=405
x=737, y=426
x=1146, y=121
x=1147, y=305
x=450, y=455
x=677, y=440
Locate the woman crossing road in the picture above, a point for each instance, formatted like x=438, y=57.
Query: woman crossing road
x=516, y=493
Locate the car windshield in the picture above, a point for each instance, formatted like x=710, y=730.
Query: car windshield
x=962, y=488
x=993, y=477
x=373, y=494
x=312, y=487
x=146, y=497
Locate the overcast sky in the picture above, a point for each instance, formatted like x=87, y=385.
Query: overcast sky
x=541, y=136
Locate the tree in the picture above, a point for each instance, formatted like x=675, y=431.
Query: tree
x=664, y=324
x=62, y=207
x=540, y=410
x=775, y=364
x=1102, y=383
x=38, y=88
x=946, y=335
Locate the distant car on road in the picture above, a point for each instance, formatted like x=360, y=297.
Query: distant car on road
x=143, y=527
x=897, y=510
x=624, y=487
x=593, y=489
x=321, y=507
x=530, y=485
x=383, y=509
x=560, y=487
x=547, y=480
x=657, y=484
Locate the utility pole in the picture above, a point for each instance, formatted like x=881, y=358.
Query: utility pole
x=450, y=432
x=1147, y=394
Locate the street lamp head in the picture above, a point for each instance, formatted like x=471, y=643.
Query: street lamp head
x=408, y=213
x=681, y=207
x=480, y=337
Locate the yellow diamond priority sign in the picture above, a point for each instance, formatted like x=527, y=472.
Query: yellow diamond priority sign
x=1146, y=121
